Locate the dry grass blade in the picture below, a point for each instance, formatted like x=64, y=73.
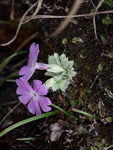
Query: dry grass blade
x=99, y=5
x=12, y=10
x=9, y=103
x=36, y=11
x=38, y=7
x=106, y=148
x=19, y=26
x=72, y=16
x=73, y=10
x=94, y=21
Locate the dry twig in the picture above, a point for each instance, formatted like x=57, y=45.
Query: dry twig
x=94, y=21
x=73, y=16
x=63, y=25
x=12, y=10
x=9, y=113
x=19, y=25
x=9, y=103
x=106, y=148
x=36, y=11
x=38, y=7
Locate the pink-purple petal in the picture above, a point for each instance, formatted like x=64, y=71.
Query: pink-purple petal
x=41, y=66
x=36, y=84
x=24, y=99
x=44, y=107
x=31, y=106
x=31, y=53
x=22, y=91
x=34, y=51
x=42, y=90
x=23, y=84
x=32, y=63
x=44, y=100
x=23, y=70
x=37, y=108
x=28, y=74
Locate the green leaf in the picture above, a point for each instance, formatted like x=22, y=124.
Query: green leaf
x=62, y=110
x=100, y=67
x=99, y=145
x=107, y=89
x=74, y=40
x=102, y=112
x=26, y=139
x=12, y=127
x=100, y=80
x=69, y=96
x=85, y=113
x=83, y=56
x=9, y=77
x=92, y=11
x=93, y=148
x=11, y=80
x=109, y=2
x=64, y=41
x=14, y=24
x=107, y=20
x=73, y=102
x=91, y=107
x=11, y=56
x=109, y=119
x=111, y=55
x=76, y=64
x=103, y=38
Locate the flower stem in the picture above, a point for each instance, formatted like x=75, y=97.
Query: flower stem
x=62, y=110
x=85, y=113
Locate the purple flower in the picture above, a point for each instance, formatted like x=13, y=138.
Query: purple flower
x=33, y=96
x=27, y=71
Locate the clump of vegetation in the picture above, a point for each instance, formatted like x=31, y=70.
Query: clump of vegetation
x=107, y=20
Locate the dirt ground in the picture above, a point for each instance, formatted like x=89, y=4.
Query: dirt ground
x=90, y=91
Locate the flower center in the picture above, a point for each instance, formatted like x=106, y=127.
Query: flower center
x=34, y=95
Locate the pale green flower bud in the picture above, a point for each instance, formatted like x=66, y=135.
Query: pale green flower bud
x=54, y=68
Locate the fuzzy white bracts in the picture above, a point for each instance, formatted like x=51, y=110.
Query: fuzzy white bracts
x=61, y=71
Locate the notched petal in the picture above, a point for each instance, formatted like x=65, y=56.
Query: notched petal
x=23, y=70
x=42, y=90
x=24, y=99
x=31, y=107
x=36, y=84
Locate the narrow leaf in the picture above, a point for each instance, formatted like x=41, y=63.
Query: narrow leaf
x=26, y=139
x=26, y=121
x=11, y=56
x=85, y=113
